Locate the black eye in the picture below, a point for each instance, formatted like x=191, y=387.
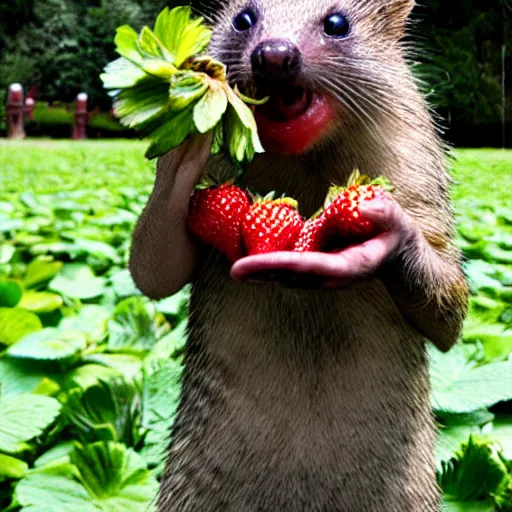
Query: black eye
x=336, y=25
x=245, y=20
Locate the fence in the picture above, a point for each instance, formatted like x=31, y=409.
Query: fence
x=19, y=109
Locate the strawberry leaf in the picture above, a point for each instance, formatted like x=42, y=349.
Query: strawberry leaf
x=126, y=44
x=149, y=45
x=171, y=133
x=186, y=87
x=209, y=109
x=182, y=37
x=24, y=417
x=167, y=91
x=475, y=473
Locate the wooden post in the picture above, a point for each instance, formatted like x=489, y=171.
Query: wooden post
x=30, y=105
x=15, y=112
x=81, y=117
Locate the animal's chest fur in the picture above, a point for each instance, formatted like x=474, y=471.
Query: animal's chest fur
x=300, y=401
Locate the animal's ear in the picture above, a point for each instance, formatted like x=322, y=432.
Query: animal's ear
x=394, y=15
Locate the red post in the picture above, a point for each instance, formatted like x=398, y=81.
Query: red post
x=81, y=117
x=15, y=112
x=30, y=105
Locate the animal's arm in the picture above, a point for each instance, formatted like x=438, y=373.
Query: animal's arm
x=163, y=255
x=426, y=281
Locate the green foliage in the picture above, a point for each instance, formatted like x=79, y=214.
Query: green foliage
x=92, y=379
x=84, y=358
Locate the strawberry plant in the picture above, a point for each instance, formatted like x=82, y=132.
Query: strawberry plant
x=90, y=370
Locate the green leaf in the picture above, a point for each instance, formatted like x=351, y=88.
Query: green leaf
x=135, y=326
x=11, y=468
x=24, y=417
x=53, y=488
x=460, y=386
x=475, y=474
x=97, y=248
x=91, y=320
x=175, y=305
x=15, y=323
x=40, y=271
x=502, y=433
x=129, y=366
x=89, y=375
x=47, y=387
x=171, y=133
x=10, y=294
x=122, y=74
x=77, y=281
x=58, y=453
x=50, y=344
x=107, y=411
x=115, y=477
x=477, y=418
x=490, y=334
x=40, y=302
x=17, y=377
x=449, y=441
x=171, y=345
x=468, y=506
x=99, y=477
x=240, y=130
x=123, y=284
x=182, y=37
x=210, y=108
x=149, y=45
x=159, y=68
x=144, y=102
x=186, y=88
x=126, y=41
x=494, y=252
x=6, y=253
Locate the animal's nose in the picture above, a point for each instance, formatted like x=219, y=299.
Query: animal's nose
x=276, y=60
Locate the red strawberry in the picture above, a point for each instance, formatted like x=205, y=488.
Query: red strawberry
x=271, y=225
x=341, y=214
x=312, y=237
x=215, y=216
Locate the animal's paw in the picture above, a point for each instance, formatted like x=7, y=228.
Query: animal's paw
x=338, y=268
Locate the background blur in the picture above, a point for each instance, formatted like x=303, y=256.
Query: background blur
x=90, y=369
x=57, y=48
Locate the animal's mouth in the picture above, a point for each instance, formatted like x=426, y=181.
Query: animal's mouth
x=293, y=119
x=286, y=102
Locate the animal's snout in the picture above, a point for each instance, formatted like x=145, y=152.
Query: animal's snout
x=276, y=60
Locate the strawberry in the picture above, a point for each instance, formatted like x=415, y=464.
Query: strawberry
x=215, y=216
x=341, y=212
x=312, y=237
x=271, y=225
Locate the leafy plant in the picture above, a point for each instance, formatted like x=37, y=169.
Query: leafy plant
x=95, y=362
x=109, y=411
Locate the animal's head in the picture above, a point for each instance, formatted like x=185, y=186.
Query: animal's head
x=325, y=64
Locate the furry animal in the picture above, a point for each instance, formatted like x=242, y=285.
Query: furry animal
x=297, y=399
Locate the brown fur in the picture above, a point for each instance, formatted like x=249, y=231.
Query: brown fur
x=298, y=400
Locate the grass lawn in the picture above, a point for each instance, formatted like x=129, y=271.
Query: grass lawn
x=89, y=369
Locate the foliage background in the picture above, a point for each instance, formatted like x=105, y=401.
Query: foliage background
x=62, y=45
x=90, y=369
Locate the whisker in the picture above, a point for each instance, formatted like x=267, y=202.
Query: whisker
x=354, y=107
